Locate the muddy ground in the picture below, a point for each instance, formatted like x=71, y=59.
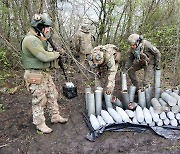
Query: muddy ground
x=18, y=134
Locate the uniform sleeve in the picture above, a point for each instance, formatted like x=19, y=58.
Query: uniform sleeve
x=35, y=46
x=77, y=42
x=129, y=61
x=155, y=52
x=112, y=74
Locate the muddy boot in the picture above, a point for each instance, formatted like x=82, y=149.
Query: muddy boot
x=57, y=118
x=44, y=128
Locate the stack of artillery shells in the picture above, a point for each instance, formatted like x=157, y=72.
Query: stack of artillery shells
x=162, y=110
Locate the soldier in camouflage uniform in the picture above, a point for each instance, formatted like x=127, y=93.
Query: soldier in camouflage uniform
x=37, y=62
x=105, y=62
x=142, y=55
x=83, y=44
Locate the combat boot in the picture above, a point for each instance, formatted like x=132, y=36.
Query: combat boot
x=57, y=118
x=44, y=128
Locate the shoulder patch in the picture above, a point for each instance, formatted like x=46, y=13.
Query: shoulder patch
x=35, y=43
x=109, y=65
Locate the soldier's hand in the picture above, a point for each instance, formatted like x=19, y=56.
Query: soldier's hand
x=113, y=99
x=61, y=51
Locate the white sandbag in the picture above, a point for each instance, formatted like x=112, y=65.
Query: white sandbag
x=154, y=115
x=94, y=122
x=139, y=114
x=170, y=115
x=130, y=113
x=123, y=114
x=101, y=121
x=147, y=115
x=106, y=117
x=173, y=122
x=117, y=117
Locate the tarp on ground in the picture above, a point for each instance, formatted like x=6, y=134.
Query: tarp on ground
x=169, y=132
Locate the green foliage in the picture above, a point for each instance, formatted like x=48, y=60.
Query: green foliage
x=3, y=76
x=3, y=59
x=39, y=132
x=165, y=38
x=89, y=83
x=2, y=109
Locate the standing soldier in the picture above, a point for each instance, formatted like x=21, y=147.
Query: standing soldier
x=142, y=55
x=37, y=63
x=105, y=61
x=83, y=44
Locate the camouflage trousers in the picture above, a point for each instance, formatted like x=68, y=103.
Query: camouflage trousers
x=107, y=79
x=44, y=94
x=148, y=73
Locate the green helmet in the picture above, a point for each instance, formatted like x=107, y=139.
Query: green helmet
x=43, y=19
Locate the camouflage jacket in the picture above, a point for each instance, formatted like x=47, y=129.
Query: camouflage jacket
x=110, y=65
x=34, y=52
x=82, y=42
x=149, y=55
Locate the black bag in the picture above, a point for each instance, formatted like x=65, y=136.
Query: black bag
x=69, y=91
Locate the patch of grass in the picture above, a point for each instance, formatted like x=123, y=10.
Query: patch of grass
x=2, y=109
x=39, y=132
x=90, y=83
x=3, y=76
x=174, y=147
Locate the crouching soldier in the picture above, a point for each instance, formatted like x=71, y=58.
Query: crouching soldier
x=105, y=61
x=142, y=55
x=36, y=61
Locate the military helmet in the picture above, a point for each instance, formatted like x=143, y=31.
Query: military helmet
x=85, y=27
x=133, y=38
x=43, y=19
x=97, y=56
